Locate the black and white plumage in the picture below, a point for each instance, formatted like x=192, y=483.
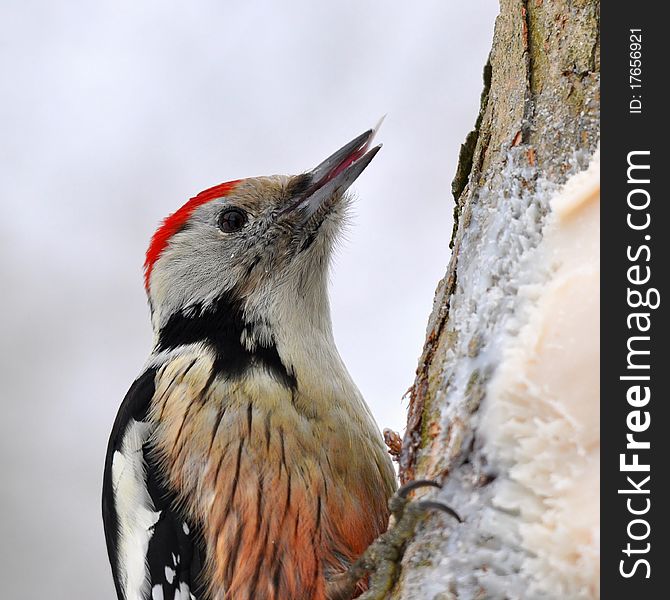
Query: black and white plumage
x=244, y=463
x=153, y=550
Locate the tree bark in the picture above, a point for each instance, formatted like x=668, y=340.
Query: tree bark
x=537, y=130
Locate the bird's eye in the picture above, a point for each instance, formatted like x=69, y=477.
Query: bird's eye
x=232, y=220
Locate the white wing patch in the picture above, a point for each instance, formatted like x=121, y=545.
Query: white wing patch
x=183, y=593
x=135, y=511
x=157, y=592
x=169, y=574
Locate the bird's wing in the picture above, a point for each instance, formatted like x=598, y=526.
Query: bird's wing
x=154, y=553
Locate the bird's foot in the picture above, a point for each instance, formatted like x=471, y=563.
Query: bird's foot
x=382, y=557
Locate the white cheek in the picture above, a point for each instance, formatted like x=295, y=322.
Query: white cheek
x=192, y=271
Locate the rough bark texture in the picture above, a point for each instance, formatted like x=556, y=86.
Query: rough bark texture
x=538, y=125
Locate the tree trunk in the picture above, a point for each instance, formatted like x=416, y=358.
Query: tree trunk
x=504, y=408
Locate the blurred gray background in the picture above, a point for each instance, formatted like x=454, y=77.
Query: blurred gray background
x=112, y=114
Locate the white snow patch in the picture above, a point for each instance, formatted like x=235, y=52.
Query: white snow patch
x=509, y=258
x=541, y=417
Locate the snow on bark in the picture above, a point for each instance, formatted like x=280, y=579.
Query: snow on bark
x=504, y=407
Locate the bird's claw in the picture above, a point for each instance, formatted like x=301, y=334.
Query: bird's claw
x=399, y=501
x=382, y=557
x=410, y=486
x=425, y=505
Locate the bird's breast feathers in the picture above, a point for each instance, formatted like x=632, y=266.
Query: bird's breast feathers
x=283, y=489
x=286, y=493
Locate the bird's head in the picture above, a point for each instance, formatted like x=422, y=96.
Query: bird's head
x=261, y=243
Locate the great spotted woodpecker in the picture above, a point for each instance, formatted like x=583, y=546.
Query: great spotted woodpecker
x=244, y=463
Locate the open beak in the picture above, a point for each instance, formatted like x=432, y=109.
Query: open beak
x=335, y=174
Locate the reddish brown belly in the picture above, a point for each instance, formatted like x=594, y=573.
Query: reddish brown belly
x=284, y=502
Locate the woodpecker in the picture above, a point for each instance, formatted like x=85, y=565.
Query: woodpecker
x=243, y=462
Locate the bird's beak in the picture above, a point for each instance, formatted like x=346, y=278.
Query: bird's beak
x=335, y=174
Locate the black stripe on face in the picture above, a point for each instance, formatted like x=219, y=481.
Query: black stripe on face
x=221, y=327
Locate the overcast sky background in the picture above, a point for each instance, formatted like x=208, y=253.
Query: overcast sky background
x=112, y=114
